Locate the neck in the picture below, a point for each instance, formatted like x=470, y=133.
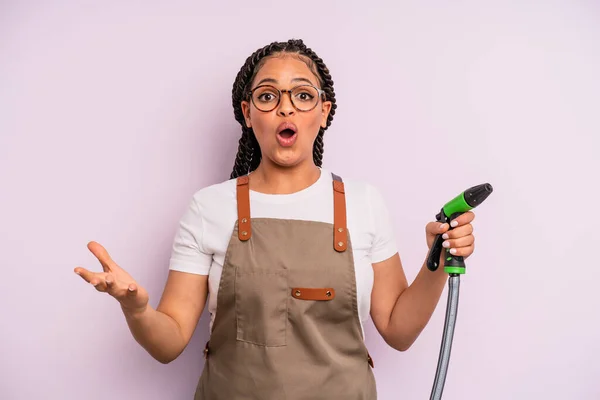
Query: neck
x=271, y=178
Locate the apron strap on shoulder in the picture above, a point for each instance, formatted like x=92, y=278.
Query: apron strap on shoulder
x=243, y=208
x=340, y=234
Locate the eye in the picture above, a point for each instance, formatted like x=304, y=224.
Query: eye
x=305, y=96
x=267, y=97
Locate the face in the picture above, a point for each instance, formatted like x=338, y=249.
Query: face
x=286, y=148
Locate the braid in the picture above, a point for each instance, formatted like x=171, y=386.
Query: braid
x=318, y=148
x=244, y=155
x=249, y=155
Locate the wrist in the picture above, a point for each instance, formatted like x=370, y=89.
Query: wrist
x=135, y=313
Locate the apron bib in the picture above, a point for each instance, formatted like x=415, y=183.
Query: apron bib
x=287, y=325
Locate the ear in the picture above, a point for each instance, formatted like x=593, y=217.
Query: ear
x=246, y=112
x=325, y=109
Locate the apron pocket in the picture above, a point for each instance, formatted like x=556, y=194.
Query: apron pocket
x=261, y=306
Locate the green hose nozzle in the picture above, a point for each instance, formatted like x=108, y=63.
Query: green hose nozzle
x=462, y=203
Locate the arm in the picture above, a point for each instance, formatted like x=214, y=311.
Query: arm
x=166, y=331
x=400, y=312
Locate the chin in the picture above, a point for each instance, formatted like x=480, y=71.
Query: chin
x=286, y=163
x=286, y=160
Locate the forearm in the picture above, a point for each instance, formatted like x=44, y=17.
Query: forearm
x=156, y=332
x=414, y=307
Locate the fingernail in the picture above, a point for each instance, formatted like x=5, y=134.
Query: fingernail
x=446, y=244
x=454, y=224
x=445, y=236
x=94, y=283
x=452, y=251
x=442, y=227
x=108, y=281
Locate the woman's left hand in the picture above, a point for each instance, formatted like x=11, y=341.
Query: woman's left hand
x=459, y=240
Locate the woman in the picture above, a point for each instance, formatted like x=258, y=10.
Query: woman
x=294, y=258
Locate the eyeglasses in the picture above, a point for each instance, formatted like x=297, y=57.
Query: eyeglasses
x=267, y=98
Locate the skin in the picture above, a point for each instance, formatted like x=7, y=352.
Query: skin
x=399, y=311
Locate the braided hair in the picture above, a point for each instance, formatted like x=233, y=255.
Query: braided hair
x=249, y=155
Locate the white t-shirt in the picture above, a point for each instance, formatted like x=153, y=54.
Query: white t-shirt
x=205, y=229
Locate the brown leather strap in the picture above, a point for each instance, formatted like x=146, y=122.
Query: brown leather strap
x=340, y=235
x=206, y=350
x=313, y=294
x=243, y=206
x=370, y=360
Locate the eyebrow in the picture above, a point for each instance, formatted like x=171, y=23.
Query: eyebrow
x=271, y=80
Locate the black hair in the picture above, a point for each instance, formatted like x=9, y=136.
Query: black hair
x=248, y=156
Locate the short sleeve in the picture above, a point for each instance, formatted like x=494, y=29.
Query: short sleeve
x=188, y=254
x=384, y=241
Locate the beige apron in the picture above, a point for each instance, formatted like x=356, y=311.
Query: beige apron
x=287, y=325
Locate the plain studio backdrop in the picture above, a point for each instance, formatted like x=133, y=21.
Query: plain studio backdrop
x=113, y=113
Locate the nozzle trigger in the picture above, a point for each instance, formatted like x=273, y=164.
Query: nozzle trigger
x=433, y=258
x=434, y=253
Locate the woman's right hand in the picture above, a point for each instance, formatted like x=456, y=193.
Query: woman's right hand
x=115, y=281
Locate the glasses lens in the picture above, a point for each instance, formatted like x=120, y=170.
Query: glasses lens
x=265, y=98
x=305, y=98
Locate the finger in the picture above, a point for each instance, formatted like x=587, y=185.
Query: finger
x=461, y=231
x=111, y=286
x=115, y=288
x=131, y=292
x=102, y=255
x=130, y=298
x=84, y=274
x=463, y=219
x=99, y=282
x=135, y=300
x=464, y=241
x=463, y=251
x=435, y=228
x=89, y=276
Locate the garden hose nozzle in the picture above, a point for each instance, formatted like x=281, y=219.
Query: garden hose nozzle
x=455, y=266
x=462, y=203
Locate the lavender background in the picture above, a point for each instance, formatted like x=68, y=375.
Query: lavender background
x=113, y=113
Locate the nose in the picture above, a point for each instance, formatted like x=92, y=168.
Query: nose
x=286, y=108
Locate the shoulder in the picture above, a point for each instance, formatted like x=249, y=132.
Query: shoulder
x=360, y=190
x=215, y=196
x=364, y=200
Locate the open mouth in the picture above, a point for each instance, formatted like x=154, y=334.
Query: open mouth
x=287, y=133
